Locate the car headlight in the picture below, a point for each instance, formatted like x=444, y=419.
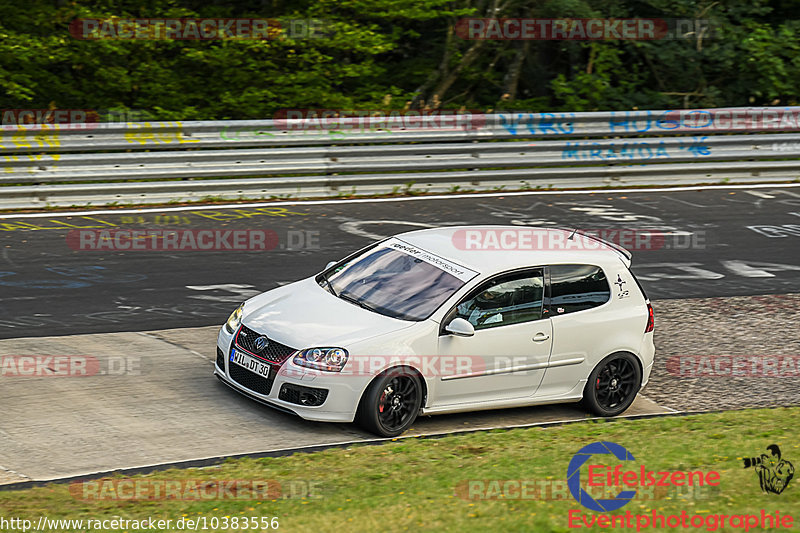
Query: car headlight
x=234, y=320
x=328, y=359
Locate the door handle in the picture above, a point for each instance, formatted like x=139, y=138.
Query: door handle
x=539, y=337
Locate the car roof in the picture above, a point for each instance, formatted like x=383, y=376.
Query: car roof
x=496, y=248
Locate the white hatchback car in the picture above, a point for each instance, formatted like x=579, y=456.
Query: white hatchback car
x=447, y=320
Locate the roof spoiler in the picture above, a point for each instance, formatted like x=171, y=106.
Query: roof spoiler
x=626, y=255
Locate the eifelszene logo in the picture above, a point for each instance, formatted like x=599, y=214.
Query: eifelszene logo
x=612, y=478
x=574, y=477
x=774, y=472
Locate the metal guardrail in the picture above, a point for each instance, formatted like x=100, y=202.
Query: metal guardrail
x=173, y=161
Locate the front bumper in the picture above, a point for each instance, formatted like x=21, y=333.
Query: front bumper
x=341, y=402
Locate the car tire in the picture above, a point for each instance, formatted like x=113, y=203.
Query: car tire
x=391, y=402
x=613, y=385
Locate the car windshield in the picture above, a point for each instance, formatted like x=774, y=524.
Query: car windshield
x=409, y=284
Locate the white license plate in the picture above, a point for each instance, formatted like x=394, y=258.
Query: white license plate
x=250, y=363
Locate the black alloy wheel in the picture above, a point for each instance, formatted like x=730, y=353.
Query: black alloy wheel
x=613, y=385
x=391, y=403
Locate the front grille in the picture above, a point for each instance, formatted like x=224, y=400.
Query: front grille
x=275, y=352
x=220, y=359
x=251, y=380
x=303, y=395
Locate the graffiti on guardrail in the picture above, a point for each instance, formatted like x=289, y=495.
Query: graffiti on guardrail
x=145, y=137
x=19, y=137
x=697, y=146
x=583, y=150
x=537, y=123
x=31, y=129
x=236, y=135
x=15, y=161
x=157, y=133
x=735, y=119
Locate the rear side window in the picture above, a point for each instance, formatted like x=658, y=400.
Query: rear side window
x=576, y=288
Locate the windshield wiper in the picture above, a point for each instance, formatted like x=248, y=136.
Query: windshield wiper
x=359, y=303
x=330, y=286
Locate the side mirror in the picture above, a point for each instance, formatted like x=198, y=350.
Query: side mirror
x=330, y=265
x=460, y=327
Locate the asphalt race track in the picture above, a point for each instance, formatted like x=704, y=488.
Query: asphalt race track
x=713, y=243
x=151, y=398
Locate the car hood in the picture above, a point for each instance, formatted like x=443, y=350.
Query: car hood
x=304, y=315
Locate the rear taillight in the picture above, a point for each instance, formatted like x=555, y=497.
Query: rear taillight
x=651, y=321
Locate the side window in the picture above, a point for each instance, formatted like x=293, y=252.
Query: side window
x=577, y=287
x=505, y=300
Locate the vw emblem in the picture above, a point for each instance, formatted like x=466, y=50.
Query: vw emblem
x=260, y=343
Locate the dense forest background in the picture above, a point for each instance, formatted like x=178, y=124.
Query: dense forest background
x=381, y=54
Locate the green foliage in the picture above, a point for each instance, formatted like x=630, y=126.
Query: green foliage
x=395, y=54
